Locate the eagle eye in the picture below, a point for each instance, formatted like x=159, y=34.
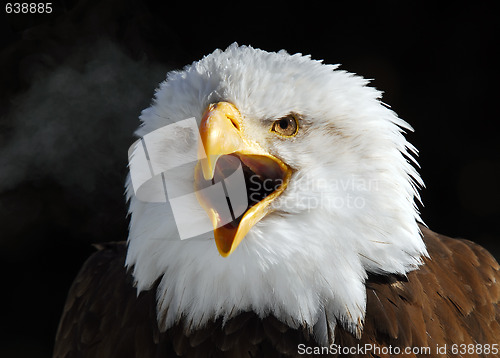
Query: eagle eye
x=287, y=126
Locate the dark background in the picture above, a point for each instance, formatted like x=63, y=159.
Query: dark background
x=73, y=83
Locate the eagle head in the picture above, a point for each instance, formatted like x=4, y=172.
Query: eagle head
x=330, y=194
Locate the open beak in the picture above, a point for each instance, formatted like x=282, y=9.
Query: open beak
x=223, y=150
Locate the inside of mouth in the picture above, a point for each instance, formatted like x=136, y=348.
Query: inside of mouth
x=263, y=176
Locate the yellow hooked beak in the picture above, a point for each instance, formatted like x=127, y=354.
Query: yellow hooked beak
x=221, y=131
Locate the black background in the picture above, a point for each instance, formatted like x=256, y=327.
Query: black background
x=74, y=82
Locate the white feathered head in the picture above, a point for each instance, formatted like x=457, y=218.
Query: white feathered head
x=339, y=201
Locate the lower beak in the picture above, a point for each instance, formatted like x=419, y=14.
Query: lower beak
x=225, y=149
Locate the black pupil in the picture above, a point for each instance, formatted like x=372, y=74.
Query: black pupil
x=284, y=124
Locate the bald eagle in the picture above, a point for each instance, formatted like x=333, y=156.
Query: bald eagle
x=331, y=257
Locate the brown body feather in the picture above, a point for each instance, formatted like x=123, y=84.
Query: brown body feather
x=451, y=305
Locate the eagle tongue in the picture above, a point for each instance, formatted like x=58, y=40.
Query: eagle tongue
x=224, y=235
x=218, y=205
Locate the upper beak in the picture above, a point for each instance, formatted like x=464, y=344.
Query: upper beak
x=221, y=132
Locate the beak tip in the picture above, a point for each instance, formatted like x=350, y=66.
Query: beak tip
x=208, y=169
x=223, y=254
